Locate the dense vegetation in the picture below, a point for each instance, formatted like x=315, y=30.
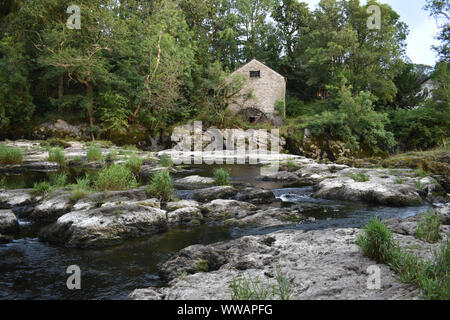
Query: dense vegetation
x=153, y=64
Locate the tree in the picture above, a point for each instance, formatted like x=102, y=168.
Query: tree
x=440, y=10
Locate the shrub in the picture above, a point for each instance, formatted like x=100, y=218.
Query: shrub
x=134, y=163
x=58, y=180
x=10, y=155
x=222, y=177
x=116, y=177
x=360, y=177
x=42, y=188
x=94, y=154
x=161, y=186
x=378, y=241
x=80, y=189
x=429, y=227
x=56, y=154
x=165, y=161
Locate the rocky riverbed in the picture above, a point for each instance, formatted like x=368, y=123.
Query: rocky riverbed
x=295, y=214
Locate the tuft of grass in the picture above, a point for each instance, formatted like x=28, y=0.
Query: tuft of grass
x=115, y=177
x=429, y=227
x=81, y=189
x=290, y=164
x=10, y=155
x=398, y=181
x=56, y=154
x=419, y=185
x=58, y=180
x=432, y=277
x=165, y=161
x=360, y=177
x=421, y=173
x=202, y=265
x=42, y=188
x=248, y=288
x=134, y=163
x=161, y=186
x=94, y=154
x=222, y=177
x=111, y=157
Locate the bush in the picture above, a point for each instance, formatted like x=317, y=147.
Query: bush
x=378, y=241
x=58, y=180
x=360, y=177
x=94, y=154
x=56, y=154
x=429, y=227
x=80, y=189
x=431, y=276
x=10, y=155
x=134, y=163
x=222, y=177
x=165, y=161
x=161, y=186
x=116, y=177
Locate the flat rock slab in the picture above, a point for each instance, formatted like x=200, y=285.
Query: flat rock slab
x=220, y=192
x=322, y=264
x=105, y=226
x=16, y=198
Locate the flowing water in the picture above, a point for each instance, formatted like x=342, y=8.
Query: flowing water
x=30, y=269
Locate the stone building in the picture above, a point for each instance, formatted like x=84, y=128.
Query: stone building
x=268, y=89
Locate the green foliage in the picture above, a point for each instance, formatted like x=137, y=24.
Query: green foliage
x=115, y=177
x=81, y=189
x=398, y=181
x=56, y=154
x=222, y=177
x=134, y=163
x=249, y=288
x=280, y=107
x=42, y=188
x=202, y=265
x=161, y=186
x=429, y=226
x=10, y=155
x=432, y=277
x=58, y=180
x=360, y=177
x=94, y=154
x=165, y=161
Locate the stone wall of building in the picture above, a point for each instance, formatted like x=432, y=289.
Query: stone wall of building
x=267, y=89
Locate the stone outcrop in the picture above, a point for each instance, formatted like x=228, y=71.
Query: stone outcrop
x=8, y=222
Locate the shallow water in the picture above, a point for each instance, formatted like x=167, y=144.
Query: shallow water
x=30, y=269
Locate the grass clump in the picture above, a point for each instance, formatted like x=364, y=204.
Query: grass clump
x=398, y=181
x=360, y=177
x=222, y=177
x=165, y=161
x=429, y=227
x=56, y=154
x=252, y=289
x=10, y=155
x=94, y=154
x=56, y=180
x=134, y=163
x=421, y=173
x=42, y=188
x=432, y=277
x=161, y=186
x=81, y=189
x=115, y=177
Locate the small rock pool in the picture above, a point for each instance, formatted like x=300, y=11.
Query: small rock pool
x=30, y=269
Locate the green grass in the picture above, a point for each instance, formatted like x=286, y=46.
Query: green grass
x=290, y=164
x=81, y=189
x=429, y=227
x=248, y=288
x=134, y=163
x=115, y=177
x=56, y=154
x=56, y=180
x=10, y=155
x=94, y=154
x=161, y=186
x=222, y=177
x=432, y=277
x=360, y=177
x=165, y=161
x=398, y=181
x=421, y=173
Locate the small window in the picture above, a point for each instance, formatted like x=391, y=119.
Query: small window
x=255, y=74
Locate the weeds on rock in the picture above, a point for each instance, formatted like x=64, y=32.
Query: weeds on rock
x=116, y=177
x=56, y=154
x=161, y=186
x=360, y=177
x=222, y=177
x=94, y=154
x=429, y=226
x=10, y=155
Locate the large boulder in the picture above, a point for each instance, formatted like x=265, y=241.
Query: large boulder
x=60, y=129
x=52, y=207
x=381, y=188
x=256, y=196
x=174, y=205
x=188, y=216
x=219, y=192
x=8, y=222
x=104, y=226
x=16, y=198
x=194, y=181
x=281, y=176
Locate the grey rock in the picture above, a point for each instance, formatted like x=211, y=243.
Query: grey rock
x=256, y=196
x=104, y=226
x=52, y=207
x=219, y=192
x=174, y=205
x=188, y=216
x=192, y=181
x=8, y=222
x=220, y=208
x=16, y=198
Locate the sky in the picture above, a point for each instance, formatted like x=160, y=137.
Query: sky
x=422, y=28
